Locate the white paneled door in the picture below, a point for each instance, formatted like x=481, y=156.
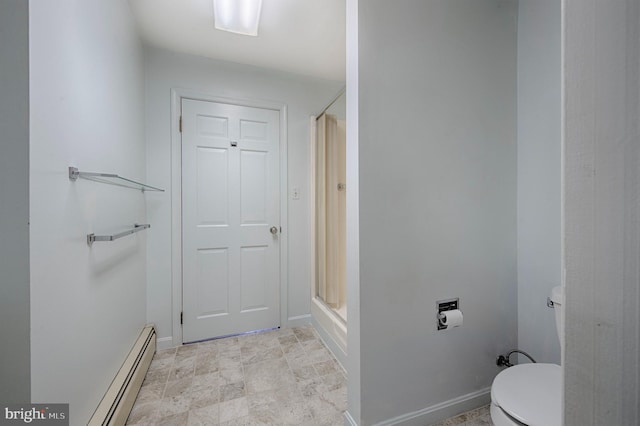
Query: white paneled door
x=230, y=219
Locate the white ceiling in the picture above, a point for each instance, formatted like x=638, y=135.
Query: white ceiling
x=300, y=36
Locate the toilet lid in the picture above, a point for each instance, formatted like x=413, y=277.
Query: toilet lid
x=530, y=393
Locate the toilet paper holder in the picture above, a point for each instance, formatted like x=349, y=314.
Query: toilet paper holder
x=443, y=306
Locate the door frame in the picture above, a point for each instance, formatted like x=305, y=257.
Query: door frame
x=177, y=95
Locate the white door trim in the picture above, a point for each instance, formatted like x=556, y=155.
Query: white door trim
x=176, y=200
x=313, y=124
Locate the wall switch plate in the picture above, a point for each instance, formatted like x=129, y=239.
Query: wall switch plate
x=295, y=194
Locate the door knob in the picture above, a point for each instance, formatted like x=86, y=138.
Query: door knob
x=274, y=230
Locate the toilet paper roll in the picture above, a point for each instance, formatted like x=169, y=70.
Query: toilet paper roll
x=452, y=318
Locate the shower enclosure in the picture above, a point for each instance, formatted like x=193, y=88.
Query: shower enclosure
x=329, y=305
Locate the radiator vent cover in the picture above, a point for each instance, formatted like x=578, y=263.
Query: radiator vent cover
x=117, y=402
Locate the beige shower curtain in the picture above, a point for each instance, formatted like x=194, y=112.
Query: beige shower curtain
x=331, y=210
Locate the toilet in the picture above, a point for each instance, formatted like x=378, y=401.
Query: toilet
x=530, y=394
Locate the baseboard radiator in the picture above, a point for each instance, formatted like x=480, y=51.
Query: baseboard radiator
x=116, y=404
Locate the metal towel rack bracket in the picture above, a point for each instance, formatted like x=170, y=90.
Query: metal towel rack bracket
x=91, y=238
x=112, y=179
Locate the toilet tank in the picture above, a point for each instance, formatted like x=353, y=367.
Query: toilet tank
x=557, y=297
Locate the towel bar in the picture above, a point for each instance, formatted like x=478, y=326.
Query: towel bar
x=91, y=238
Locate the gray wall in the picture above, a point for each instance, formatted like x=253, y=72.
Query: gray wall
x=602, y=211
x=339, y=107
x=88, y=304
x=539, y=185
x=14, y=209
x=437, y=161
x=304, y=96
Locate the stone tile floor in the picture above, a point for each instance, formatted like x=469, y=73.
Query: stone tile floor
x=478, y=417
x=279, y=377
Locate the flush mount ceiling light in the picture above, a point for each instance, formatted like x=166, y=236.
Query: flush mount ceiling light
x=237, y=16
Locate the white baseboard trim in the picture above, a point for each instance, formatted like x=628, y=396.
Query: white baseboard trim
x=348, y=419
x=438, y=412
x=299, y=320
x=164, y=342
